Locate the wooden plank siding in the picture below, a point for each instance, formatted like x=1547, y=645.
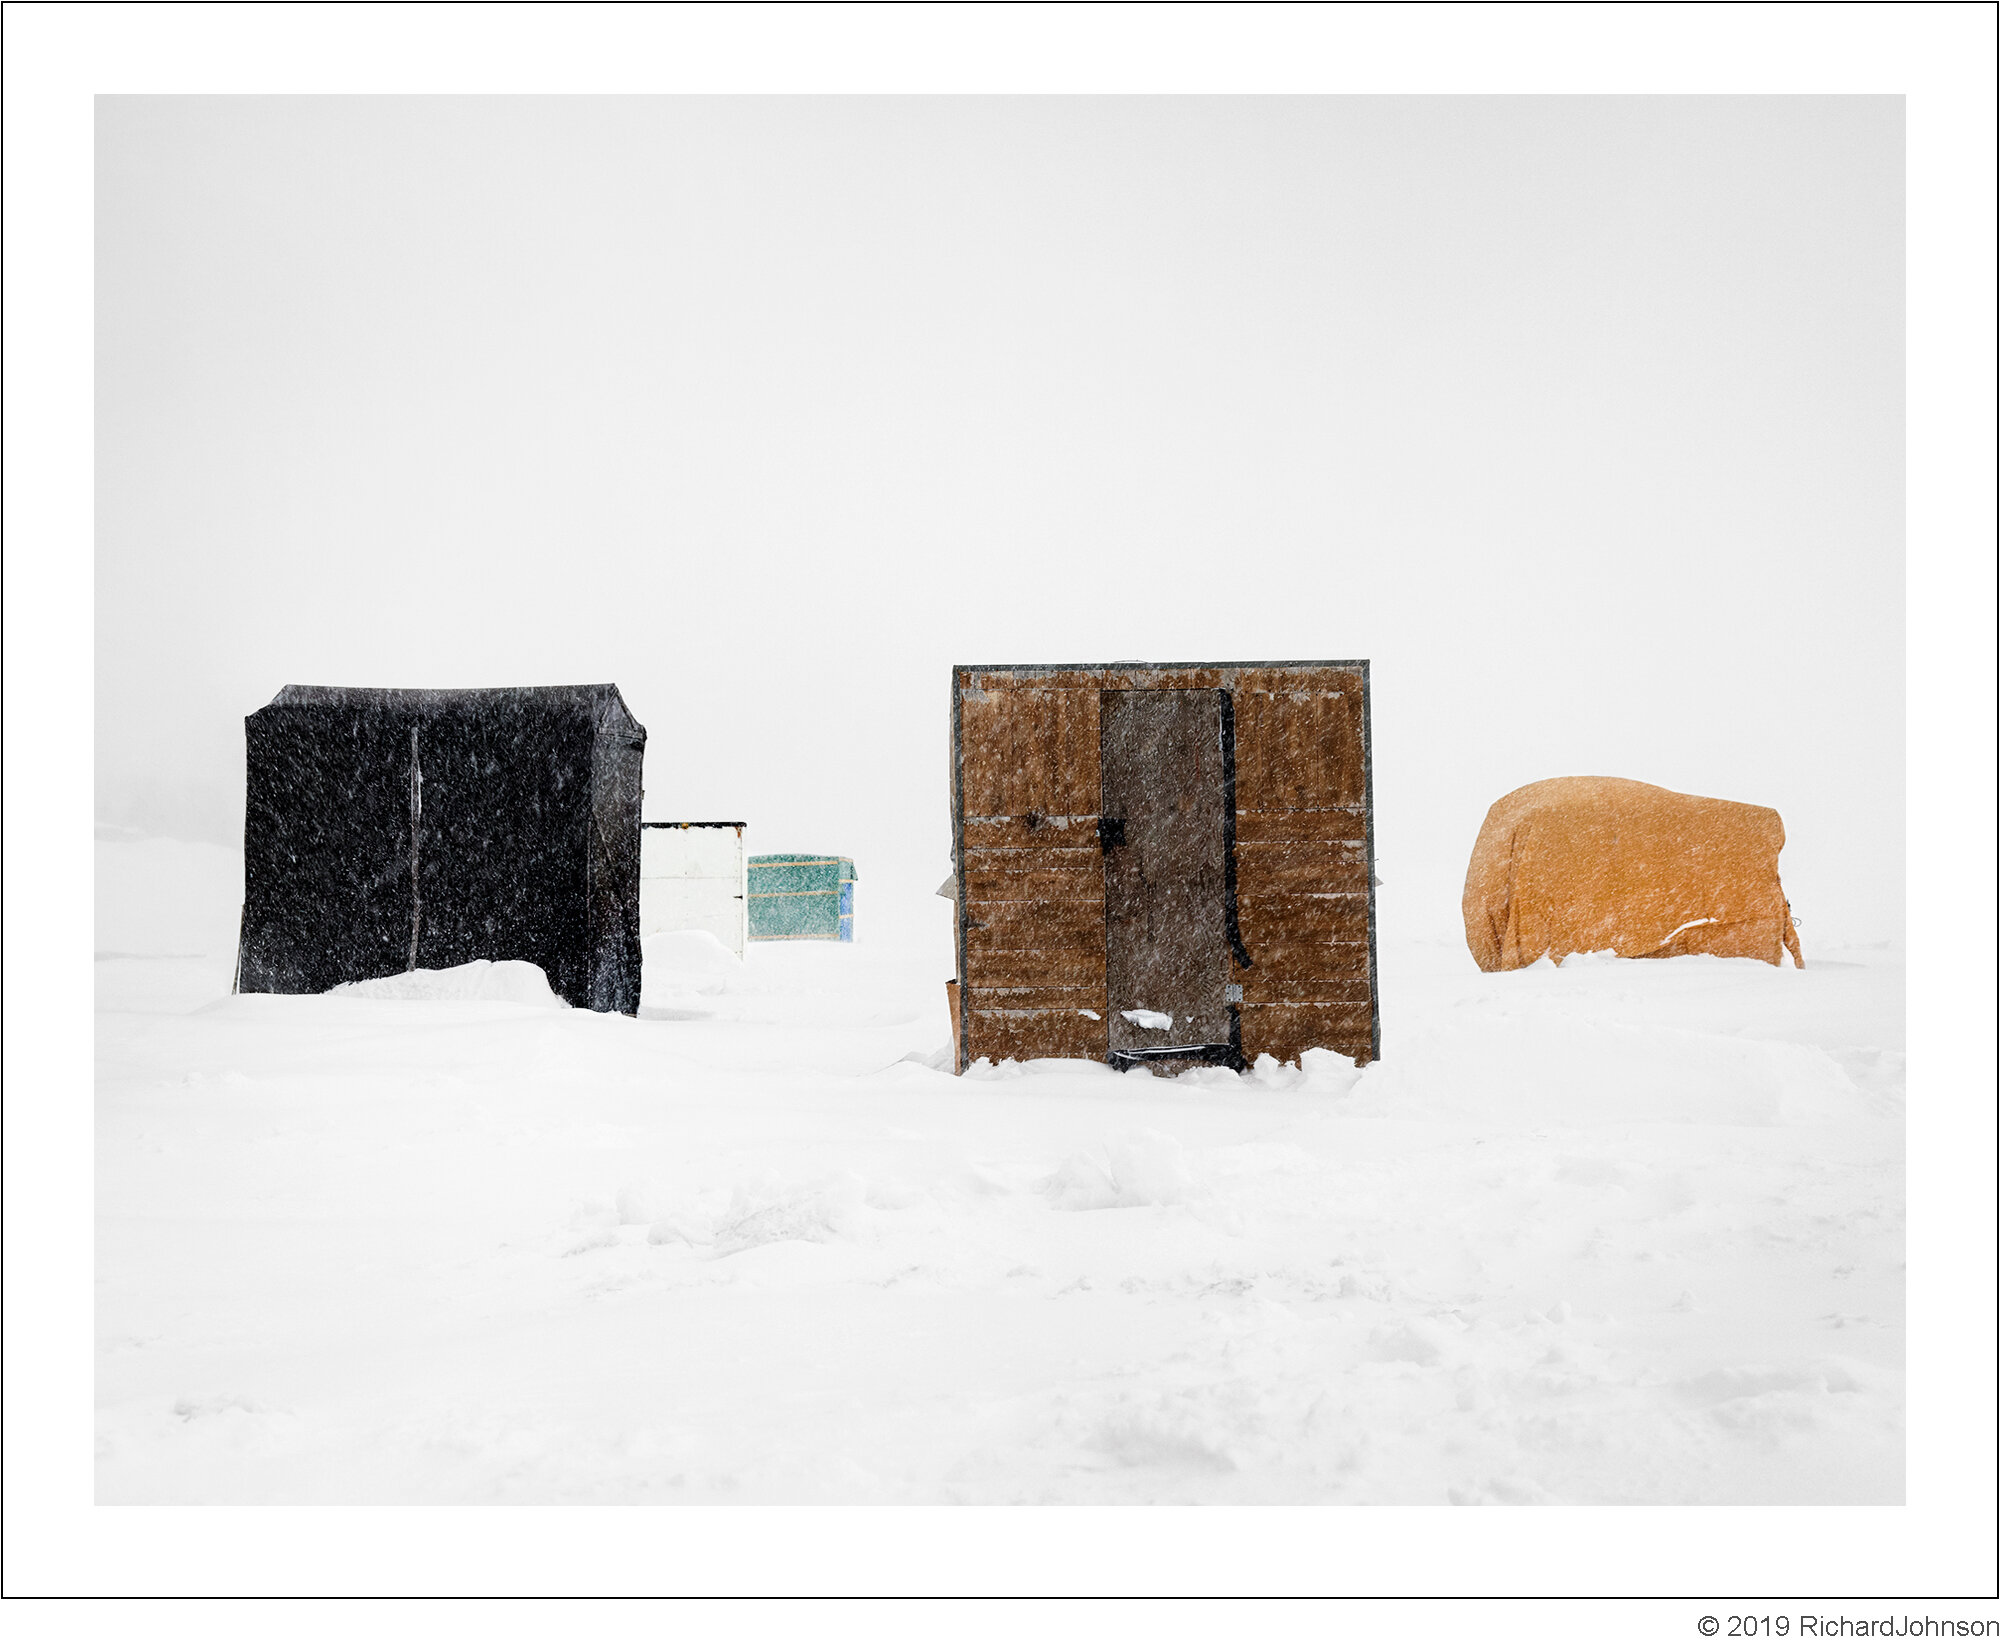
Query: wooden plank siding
x=1030, y=877
x=1303, y=869
x=1014, y=875
x=1300, y=749
x=1315, y=824
x=1029, y=753
x=1030, y=873
x=1286, y=1031
x=1035, y=968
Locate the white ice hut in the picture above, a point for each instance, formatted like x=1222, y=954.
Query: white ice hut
x=691, y=878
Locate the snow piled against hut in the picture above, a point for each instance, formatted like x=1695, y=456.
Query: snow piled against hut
x=519, y=981
x=1627, y=1231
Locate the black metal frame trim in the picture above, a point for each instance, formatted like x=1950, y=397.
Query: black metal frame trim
x=1231, y=924
x=1216, y=1051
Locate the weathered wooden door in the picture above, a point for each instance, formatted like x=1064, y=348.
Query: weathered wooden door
x=1165, y=834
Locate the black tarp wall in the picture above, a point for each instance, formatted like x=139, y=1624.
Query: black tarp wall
x=385, y=830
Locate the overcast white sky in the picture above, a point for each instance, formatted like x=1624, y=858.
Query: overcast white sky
x=1581, y=417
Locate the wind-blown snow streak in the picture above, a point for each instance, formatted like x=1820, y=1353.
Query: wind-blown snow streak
x=1686, y=926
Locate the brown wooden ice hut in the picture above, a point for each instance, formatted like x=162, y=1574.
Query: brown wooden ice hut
x=1163, y=863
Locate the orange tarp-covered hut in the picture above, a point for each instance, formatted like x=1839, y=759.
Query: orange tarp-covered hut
x=1578, y=865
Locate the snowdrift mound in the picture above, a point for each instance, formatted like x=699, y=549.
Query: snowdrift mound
x=1511, y=1070
x=1318, y=1072
x=476, y=1252
x=519, y=982
x=1143, y=1168
x=687, y=973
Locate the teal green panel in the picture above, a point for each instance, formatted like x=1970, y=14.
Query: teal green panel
x=793, y=895
x=794, y=874
x=814, y=914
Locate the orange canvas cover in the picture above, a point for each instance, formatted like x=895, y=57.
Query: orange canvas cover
x=1581, y=864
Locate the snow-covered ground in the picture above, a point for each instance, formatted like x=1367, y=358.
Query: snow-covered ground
x=1619, y=1232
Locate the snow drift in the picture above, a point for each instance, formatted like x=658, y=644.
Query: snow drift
x=1628, y=1231
x=521, y=982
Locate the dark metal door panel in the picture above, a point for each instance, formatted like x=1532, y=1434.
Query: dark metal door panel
x=1165, y=870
